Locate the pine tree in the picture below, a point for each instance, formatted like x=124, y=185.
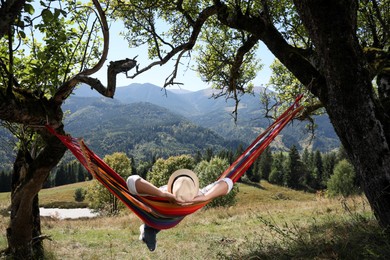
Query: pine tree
x=253, y=173
x=227, y=155
x=265, y=164
x=208, y=154
x=277, y=169
x=294, y=169
x=4, y=185
x=329, y=160
x=319, y=170
x=60, y=176
x=133, y=166
x=306, y=157
x=198, y=157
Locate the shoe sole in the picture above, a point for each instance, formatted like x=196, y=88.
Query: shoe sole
x=142, y=232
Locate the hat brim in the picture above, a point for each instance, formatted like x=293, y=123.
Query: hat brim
x=184, y=173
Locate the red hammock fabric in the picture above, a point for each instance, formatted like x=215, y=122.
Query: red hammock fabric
x=158, y=212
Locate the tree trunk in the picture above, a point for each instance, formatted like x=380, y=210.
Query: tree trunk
x=354, y=109
x=29, y=174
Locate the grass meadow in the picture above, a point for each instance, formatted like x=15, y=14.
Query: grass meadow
x=268, y=222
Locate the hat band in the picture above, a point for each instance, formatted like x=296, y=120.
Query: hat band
x=179, y=176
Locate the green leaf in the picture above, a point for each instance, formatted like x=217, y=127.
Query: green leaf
x=22, y=34
x=57, y=13
x=29, y=9
x=47, y=15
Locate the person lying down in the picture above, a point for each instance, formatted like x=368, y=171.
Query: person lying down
x=182, y=188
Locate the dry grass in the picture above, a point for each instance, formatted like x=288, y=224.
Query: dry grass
x=264, y=216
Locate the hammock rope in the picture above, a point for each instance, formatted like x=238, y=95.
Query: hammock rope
x=159, y=212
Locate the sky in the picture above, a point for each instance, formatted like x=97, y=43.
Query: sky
x=191, y=80
x=119, y=49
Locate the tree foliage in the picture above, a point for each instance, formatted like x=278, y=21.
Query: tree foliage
x=277, y=169
x=71, y=172
x=163, y=168
x=99, y=196
x=342, y=182
x=79, y=194
x=46, y=49
x=5, y=181
x=208, y=172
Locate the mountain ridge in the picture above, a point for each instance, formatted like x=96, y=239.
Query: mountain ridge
x=146, y=121
x=215, y=114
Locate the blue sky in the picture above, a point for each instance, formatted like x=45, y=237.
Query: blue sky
x=119, y=49
x=157, y=75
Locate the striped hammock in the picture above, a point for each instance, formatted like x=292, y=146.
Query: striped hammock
x=158, y=212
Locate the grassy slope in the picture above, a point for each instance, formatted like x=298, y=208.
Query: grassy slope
x=268, y=222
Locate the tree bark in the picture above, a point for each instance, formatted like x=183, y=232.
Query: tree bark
x=29, y=174
x=353, y=107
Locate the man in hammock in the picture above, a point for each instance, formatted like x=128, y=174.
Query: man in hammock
x=182, y=189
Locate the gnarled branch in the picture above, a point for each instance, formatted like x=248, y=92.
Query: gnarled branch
x=114, y=68
x=181, y=49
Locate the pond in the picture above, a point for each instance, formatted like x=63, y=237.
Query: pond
x=67, y=213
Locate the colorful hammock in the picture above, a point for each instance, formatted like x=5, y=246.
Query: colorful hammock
x=157, y=212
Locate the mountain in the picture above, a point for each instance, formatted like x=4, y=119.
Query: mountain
x=145, y=93
x=7, y=153
x=142, y=129
x=216, y=114
x=146, y=121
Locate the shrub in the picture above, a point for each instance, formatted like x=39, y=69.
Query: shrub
x=208, y=172
x=79, y=194
x=100, y=198
x=342, y=181
x=162, y=169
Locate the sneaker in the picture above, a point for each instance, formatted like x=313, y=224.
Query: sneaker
x=148, y=236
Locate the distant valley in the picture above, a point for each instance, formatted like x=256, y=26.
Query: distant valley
x=202, y=110
x=146, y=121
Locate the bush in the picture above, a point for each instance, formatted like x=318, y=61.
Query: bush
x=208, y=172
x=162, y=169
x=79, y=194
x=342, y=181
x=100, y=198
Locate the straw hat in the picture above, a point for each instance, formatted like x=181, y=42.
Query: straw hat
x=184, y=184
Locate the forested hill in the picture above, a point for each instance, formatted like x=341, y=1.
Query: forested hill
x=142, y=130
x=215, y=114
x=145, y=121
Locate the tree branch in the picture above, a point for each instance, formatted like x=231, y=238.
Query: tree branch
x=113, y=69
x=106, y=40
x=67, y=87
x=238, y=60
x=197, y=26
x=295, y=59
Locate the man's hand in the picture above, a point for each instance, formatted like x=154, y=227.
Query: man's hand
x=197, y=199
x=171, y=198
